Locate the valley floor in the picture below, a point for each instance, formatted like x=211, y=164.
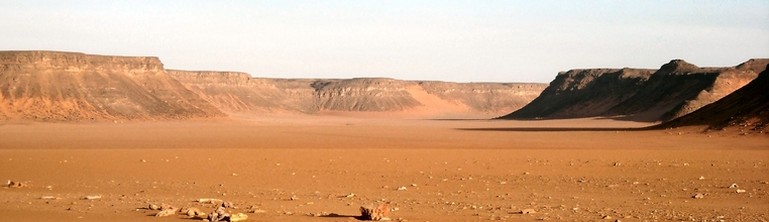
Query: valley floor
x=299, y=168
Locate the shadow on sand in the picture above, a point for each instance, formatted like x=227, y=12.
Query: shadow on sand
x=334, y=215
x=552, y=129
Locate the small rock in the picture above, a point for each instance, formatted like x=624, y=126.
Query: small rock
x=227, y=204
x=164, y=213
x=351, y=195
x=92, y=197
x=379, y=213
x=238, y=217
x=528, y=211
x=193, y=213
x=49, y=198
x=607, y=217
x=402, y=189
x=219, y=215
x=702, y=178
x=15, y=184
x=164, y=206
x=733, y=186
x=741, y=191
x=153, y=207
x=698, y=196
x=208, y=200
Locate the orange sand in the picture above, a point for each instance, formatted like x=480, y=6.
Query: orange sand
x=453, y=170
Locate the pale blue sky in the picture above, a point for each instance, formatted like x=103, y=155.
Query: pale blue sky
x=466, y=41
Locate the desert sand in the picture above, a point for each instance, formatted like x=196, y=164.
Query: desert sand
x=322, y=168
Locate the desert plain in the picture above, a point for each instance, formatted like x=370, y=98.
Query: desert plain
x=324, y=167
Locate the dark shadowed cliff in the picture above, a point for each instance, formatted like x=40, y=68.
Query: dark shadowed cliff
x=676, y=89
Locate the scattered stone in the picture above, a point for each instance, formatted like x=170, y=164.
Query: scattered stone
x=380, y=213
x=49, y=198
x=293, y=197
x=208, y=200
x=698, y=196
x=607, y=217
x=92, y=197
x=402, y=189
x=227, y=204
x=238, y=217
x=193, y=213
x=702, y=178
x=15, y=184
x=351, y=195
x=528, y=211
x=166, y=212
x=616, y=164
x=153, y=207
x=733, y=186
x=219, y=215
x=741, y=191
x=257, y=211
x=414, y=185
x=164, y=206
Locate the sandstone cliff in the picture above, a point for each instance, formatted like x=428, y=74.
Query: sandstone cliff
x=676, y=89
x=238, y=93
x=746, y=109
x=62, y=86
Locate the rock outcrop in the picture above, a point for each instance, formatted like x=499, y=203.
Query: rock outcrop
x=676, y=89
x=63, y=86
x=746, y=109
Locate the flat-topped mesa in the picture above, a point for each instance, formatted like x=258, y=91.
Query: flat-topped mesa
x=62, y=86
x=583, y=93
x=676, y=89
x=210, y=77
x=72, y=61
x=364, y=94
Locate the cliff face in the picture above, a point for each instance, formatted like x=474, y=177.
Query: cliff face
x=676, y=89
x=236, y=92
x=746, y=109
x=584, y=93
x=59, y=86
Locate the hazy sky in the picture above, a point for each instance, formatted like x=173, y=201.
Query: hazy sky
x=466, y=41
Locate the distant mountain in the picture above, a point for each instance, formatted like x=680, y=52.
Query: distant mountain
x=674, y=90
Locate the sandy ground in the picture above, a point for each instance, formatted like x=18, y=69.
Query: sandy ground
x=296, y=168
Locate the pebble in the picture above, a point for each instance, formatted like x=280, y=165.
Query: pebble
x=698, y=196
x=741, y=191
x=92, y=197
x=166, y=212
x=402, y=189
x=734, y=185
x=528, y=211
